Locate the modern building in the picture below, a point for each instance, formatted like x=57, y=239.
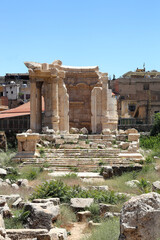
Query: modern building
x=138, y=95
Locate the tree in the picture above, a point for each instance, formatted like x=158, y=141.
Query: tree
x=156, y=125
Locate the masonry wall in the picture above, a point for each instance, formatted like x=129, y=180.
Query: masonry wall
x=79, y=86
x=143, y=92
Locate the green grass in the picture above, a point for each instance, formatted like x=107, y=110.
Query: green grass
x=147, y=173
x=16, y=222
x=66, y=216
x=5, y=158
x=95, y=212
x=109, y=230
x=31, y=173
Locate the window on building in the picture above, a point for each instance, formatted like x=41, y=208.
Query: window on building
x=146, y=86
x=11, y=92
x=6, y=91
x=1, y=94
x=132, y=107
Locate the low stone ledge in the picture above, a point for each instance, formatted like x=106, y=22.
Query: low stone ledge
x=17, y=234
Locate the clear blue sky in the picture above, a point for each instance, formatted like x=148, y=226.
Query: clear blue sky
x=116, y=35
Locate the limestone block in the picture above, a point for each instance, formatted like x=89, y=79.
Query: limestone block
x=2, y=201
x=59, y=141
x=132, y=183
x=106, y=131
x=107, y=172
x=121, y=137
x=124, y=145
x=3, y=172
x=131, y=130
x=91, y=224
x=22, y=234
x=84, y=131
x=16, y=203
x=111, y=215
x=140, y=218
x=133, y=137
x=15, y=186
x=83, y=216
x=121, y=132
x=41, y=217
x=107, y=208
x=5, y=211
x=55, y=201
x=101, y=188
x=156, y=186
x=10, y=198
x=27, y=145
x=22, y=182
x=57, y=234
x=81, y=203
x=74, y=130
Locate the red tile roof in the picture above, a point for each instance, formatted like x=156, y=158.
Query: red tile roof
x=19, y=111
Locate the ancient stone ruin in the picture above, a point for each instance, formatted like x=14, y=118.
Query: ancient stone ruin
x=74, y=97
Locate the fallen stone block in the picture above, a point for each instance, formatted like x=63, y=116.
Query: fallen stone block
x=107, y=208
x=156, y=186
x=133, y=137
x=55, y=201
x=21, y=234
x=140, y=218
x=41, y=217
x=81, y=203
x=83, y=216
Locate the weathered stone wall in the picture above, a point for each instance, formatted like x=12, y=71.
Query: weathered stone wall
x=79, y=86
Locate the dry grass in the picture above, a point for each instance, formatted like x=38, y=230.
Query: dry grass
x=23, y=192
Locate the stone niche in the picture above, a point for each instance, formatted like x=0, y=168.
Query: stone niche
x=74, y=97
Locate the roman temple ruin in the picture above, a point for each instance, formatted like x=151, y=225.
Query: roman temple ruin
x=73, y=97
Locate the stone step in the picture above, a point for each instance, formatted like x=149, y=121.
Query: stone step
x=93, y=150
x=79, y=155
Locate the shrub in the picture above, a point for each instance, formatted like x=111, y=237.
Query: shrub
x=41, y=151
x=16, y=222
x=144, y=186
x=57, y=188
x=13, y=175
x=32, y=173
x=5, y=158
x=156, y=126
x=95, y=212
x=149, y=159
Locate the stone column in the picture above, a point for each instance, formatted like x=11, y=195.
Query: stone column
x=39, y=107
x=63, y=106
x=54, y=104
x=96, y=109
x=109, y=106
x=104, y=78
x=33, y=105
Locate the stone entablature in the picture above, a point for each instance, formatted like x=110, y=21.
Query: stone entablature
x=74, y=97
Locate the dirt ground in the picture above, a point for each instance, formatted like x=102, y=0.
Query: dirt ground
x=78, y=231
